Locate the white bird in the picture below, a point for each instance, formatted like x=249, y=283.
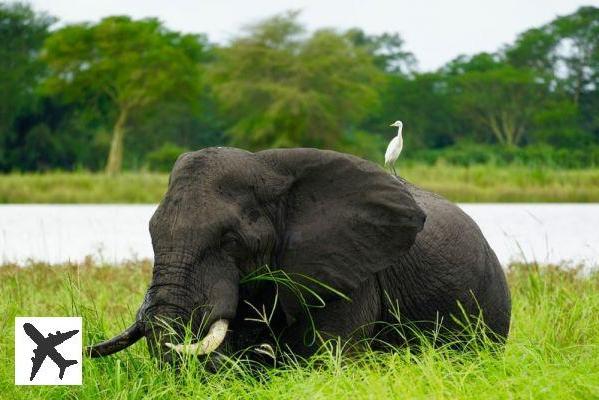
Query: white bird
x=394, y=148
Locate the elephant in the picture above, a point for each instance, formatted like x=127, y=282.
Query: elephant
x=373, y=248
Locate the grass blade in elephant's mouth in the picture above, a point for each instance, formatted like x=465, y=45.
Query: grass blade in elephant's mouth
x=308, y=298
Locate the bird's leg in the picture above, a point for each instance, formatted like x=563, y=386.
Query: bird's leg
x=393, y=168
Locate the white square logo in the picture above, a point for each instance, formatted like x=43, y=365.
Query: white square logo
x=48, y=350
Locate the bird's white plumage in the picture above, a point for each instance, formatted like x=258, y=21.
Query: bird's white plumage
x=393, y=150
x=395, y=145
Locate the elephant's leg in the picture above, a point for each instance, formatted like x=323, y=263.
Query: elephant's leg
x=348, y=320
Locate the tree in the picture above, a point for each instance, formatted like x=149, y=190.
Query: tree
x=557, y=123
x=579, y=49
x=132, y=64
x=565, y=54
x=534, y=49
x=22, y=33
x=387, y=51
x=567, y=49
x=425, y=99
x=499, y=98
x=282, y=88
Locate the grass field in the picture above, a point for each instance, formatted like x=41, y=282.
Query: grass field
x=484, y=183
x=82, y=187
x=552, y=352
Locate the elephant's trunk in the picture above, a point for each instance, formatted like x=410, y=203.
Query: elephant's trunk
x=215, y=336
x=190, y=297
x=117, y=343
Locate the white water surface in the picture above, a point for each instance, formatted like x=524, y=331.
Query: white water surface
x=546, y=233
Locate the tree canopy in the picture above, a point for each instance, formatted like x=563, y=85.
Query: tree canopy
x=80, y=94
x=129, y=64
x=22, y=34
x=282, y=88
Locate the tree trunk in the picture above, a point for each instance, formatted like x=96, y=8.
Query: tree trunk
x=507, y=125
x=492, y=123
x=115, y=156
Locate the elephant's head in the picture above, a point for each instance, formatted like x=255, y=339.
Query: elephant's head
x=333, y=217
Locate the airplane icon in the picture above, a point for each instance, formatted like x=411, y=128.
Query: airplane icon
x=46, y=347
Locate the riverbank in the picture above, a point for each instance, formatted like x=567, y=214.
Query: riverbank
x=552, y=351
x=482, y=183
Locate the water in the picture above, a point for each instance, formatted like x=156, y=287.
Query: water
x=546, y=233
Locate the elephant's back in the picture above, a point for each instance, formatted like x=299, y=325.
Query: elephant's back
x=449, y=231
x=451, y=260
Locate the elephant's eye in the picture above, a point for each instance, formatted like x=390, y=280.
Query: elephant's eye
x=230, y=242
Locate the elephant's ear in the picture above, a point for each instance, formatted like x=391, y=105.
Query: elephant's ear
x=346, y=218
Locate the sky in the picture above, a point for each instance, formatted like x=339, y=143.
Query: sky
x=436, y=31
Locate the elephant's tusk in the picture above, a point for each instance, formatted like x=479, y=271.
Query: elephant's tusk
x=216, y=335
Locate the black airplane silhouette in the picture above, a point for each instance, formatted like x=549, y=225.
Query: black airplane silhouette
x=46, y=347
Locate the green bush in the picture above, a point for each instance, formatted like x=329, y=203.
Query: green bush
x=469, y=154
x=163, y=158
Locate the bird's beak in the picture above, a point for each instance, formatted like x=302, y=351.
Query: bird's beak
x=392, y=125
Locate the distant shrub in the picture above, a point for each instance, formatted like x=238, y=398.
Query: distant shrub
x=468, y=154
x=163, y=158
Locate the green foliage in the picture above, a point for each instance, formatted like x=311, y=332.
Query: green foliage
x=481, y=62
x=558, y=125
x=387, y=51
x=469, y=154
x=22, y=33
x=164, y=158
x=124, y=83
x=363, y=144
x=426, y=100
x=565, y=55
x=552, y=351
x=500, y=100
x=132, y=64
x=282, y=89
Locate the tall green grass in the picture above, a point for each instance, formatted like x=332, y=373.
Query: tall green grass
x=478, y=183
x=552, y=351
x=82, y=187
x=489, y=183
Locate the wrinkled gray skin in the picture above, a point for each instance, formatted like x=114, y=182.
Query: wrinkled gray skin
x=336, y=218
